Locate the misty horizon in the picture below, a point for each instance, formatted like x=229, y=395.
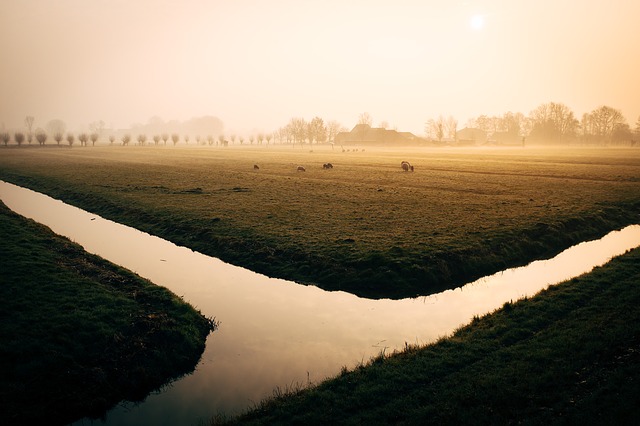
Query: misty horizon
x=255, y=66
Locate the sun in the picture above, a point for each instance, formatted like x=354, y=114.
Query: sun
x=477, y=22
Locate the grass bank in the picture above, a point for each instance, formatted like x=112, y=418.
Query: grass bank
x=569, y=355
x=80, y=334
x=365, y=226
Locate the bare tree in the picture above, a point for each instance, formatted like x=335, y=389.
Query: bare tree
x=165, y=138
x=97, y=127
x=384, y=124
x=552, y=122
x=56, y=126
x=28, y=121
x=233, y=138
x=210, y=139
x=19, y=138
x=58, y=136
x=94, y=138
x=435, y=128
x=365, y=118
x=5, y=137
x=221, y=139
x=451, y=127
x=333, y=128
x=175, y=138
x=156, y=139
x=83, y=138
x=70, y=139
x=112, y=139
x=317, y=130
x=251, y=139
x=125, y=139
x=605, y=120
x=186, y=139
x=241, y=140
x=269, y=136
x=41, y=136
x=142, y=138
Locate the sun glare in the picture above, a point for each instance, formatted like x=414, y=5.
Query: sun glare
x=477, y=22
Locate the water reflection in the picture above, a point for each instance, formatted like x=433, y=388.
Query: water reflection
x=277, y=333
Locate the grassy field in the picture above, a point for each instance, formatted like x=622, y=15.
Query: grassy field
x=80, y=334
x=364, y=226
x=570, y=355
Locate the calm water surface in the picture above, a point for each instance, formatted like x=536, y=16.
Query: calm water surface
x=275, y=333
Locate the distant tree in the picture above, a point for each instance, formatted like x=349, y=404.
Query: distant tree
x=41, y=136
x=317, y=130
x=97, y=127
x=553, y=122
x=221, y=139
x=156, y=139
x=186, y=139
x=83, y=138
x=58, y=136
x=636, y=131
x=233, y=138
x=622, y=133
x=383, y=124
x=269, y=136
x=28, y=121
x=210, y=139
x=435, y=128
x=260, y=138
x=298, y=130
x=241, y=140
x=56, y=126
x=251, y=139
x=112, y=139
x=604, y=121
x=125, y=139
x=365, y=118
x=175, y=138
x=165, y=138
x=142, y=139
x=5, y=137
x=19, y=138
x=451, y=127
x=70, y=139
x=198, y=139
x=94, y=138
x=333, y=128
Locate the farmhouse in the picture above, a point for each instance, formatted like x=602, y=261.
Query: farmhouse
x=366, y=135
x=471, y=136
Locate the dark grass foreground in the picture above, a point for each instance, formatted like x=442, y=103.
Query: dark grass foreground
x=570, y=355
x=79, y=334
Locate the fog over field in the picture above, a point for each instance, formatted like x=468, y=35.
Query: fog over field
x=255, y=65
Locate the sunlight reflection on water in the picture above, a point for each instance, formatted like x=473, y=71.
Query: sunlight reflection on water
x=278, y=333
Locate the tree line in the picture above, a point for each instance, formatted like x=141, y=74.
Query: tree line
x=548, y=123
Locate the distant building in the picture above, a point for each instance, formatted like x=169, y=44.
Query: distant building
x=471, y=136
x=366, y=135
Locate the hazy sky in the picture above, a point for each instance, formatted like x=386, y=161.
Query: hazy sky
x=255, y=64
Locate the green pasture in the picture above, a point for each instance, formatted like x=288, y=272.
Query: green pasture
x=79, y=334
x=365, y=226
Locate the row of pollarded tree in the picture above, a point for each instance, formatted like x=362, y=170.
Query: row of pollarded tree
x=41, y=137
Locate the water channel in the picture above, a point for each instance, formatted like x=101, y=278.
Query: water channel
x=276, y=333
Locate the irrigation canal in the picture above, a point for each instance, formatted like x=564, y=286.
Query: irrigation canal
x=278, y=334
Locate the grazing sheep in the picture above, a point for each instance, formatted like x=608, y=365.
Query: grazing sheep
x=255, y=167
x=327, y=166
x=301, y=169
x=406, y=166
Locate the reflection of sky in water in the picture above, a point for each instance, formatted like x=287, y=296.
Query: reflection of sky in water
x=278, y=333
